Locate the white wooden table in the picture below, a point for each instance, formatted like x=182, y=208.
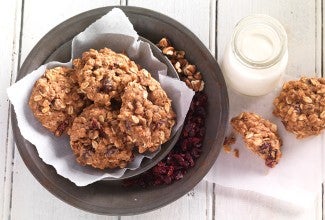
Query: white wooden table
x=24, y=22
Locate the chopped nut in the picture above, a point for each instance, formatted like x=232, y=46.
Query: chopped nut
x=94, y=144
x=135, y=119
x=152, y=87
x=196, y=85
x=168, y=51
x=70, y=110
x=163, y=43
x=197, y=75
x=201, y=86
x=177, y=66
x=93, y=135
x=180, y=54
x=249, y=135
x=84, y=85
x=189, y=70
x=101, y=118
x=46, y=109
x=186, y=71
x=322, y=115
x=307, y=99
x=37, y=98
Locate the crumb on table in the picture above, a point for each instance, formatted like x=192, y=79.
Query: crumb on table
x=229, y=140
x=236, y=153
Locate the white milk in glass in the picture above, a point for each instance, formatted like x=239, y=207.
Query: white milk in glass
x=257, y=55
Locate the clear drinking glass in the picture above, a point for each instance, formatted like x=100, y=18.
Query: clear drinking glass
x=256, y=56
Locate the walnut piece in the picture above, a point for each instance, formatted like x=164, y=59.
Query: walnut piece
x=260, y=136
x=301, y=106
x=186, y=71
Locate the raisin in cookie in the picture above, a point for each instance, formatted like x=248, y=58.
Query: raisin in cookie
x=146, y=124
x=95, y=140
x=55, y=101
x=260, y=136
x=103, y=74
x=301, y=106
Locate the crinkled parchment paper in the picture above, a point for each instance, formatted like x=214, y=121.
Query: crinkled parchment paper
x=297, y=177
x=114, y=31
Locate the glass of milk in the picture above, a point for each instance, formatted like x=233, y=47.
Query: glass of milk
x=257, y=55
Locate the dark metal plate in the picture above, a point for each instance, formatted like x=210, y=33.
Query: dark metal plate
x=110, y=197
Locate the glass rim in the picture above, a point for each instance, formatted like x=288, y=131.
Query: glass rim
x=272, y=23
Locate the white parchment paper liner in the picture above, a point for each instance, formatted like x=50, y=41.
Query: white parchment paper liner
x=114, y=31
x=297, y=177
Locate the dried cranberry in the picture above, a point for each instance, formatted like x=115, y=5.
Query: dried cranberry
x=61, y=128
x=95, y=124
x=107, y=85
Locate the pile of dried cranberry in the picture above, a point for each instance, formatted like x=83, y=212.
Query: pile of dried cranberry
x=184, y=154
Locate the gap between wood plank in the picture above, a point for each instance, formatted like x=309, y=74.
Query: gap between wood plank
x=9, y=143
x=322, y=75
x=322, y=201
x=8, y=171
x=123, y=2
x=212, y=27
x=9, y=112
x=322, y=40
x=213, y=201
x=216, y=32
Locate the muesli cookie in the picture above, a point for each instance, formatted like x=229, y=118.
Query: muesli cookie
x=103, y=74
x=260, y=136
x=96, y=141
x=55, y=101
x=301, y=106
x=146, y=116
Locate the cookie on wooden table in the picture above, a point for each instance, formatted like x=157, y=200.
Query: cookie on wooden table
x=260, y=136
x=301, y=106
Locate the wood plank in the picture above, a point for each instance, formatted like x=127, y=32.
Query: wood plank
x=192, y=206
x=240, y=204
x=10, y=26
x=195, y=15
x=199, y=17
x=321, y=36
x=302, y=22
x=32, y=201
x=29, y=199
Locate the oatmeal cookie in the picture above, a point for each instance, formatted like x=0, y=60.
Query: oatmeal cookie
x=96, y=141
x=147, y=122
x=55, y=101
x=301, y=106
x=103, y=74
x=260, y=136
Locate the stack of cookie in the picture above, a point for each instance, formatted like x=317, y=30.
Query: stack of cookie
x=107, y=104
